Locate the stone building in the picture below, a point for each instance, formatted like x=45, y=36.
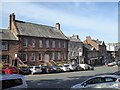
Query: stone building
x=95, y=51
x=75, y=49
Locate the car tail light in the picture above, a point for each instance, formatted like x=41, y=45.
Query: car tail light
x=34, y=68
x=118, y=80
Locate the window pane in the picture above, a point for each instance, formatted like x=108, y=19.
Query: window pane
x=40, y=56
x=4, y=45
x=58, y=55
x=58, y=43
x=25, y=56
x=6, y=84
x=47, y=43
x=5, y=58
x=53, y=55
x=40, y=43
x=25, y=42
x=33, y=56
x=64, y=44
x=53, y=44
x=33, y=42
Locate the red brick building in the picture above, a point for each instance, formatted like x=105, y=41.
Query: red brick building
x=38, y=43
x=9, y=46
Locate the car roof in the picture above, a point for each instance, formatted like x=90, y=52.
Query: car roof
x=115, y=76
x=10, y=76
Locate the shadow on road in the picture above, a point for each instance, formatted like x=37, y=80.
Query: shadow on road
x=58, y=84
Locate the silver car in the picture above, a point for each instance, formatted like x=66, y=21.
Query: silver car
x=104, y=82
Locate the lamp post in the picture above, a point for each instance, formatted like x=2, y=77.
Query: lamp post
x=80, y=55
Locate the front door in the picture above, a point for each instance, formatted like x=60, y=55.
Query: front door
x=47, y=56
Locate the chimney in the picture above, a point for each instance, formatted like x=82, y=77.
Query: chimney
x=88, y=38
x=11, y=20
x=57, y=26
x=77, y=36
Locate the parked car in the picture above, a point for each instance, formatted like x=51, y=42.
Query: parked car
x=24, y=70
x=112, y=64
x=47, y=69
x=78, y=67
x=64, y=68
x=86, y=67
x=10, y=70
x=116, y=73
x=71, y=67
x=13, y=82
x=99, y=82
x=35, y=69
x=56, y=69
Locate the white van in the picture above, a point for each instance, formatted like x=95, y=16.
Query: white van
x=12, y=82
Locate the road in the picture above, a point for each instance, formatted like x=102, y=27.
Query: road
x=64, y=81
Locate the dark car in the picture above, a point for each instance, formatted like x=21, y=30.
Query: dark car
x=47, y=69
x=24, y=70
x=56, y=69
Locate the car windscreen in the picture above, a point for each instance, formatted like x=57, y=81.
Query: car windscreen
x=66, y=65
x=37, y=67
x=9, y=83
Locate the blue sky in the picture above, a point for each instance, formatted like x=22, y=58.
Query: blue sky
x=96, y=19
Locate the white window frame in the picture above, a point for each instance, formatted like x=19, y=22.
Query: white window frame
x=40, y=56
x=33, y=56
x=59, y=55
x=64, y=44
x=4, y=46
x=26, y=56
x=53, y=55
x=25, y=42
x=53, y=44
x=33, y=43
x=59, y=44
x=47, y=44
x=64, y=55
x=40, y=43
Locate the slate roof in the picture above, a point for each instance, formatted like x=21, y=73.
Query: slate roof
x=98, y=42
x=6, y=34
x=88, y=46
x=74, y=38
x=38, y=30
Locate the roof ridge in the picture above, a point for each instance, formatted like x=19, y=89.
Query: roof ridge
x=34, y=23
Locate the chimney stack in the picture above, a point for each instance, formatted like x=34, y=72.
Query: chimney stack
x=88, y=38
x=57, y=26
x=11, y=20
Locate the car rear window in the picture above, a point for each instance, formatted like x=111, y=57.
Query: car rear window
x=37, y=67
x=11, y=83
x=66, y=65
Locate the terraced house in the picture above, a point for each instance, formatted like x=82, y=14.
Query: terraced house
x=38, y=43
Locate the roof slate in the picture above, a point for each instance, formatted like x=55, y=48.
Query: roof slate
x=6, y=34
x=38, y=30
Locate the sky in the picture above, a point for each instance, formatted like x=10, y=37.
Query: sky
x=96, y=19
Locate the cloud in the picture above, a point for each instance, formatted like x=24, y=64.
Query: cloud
x=41, y=13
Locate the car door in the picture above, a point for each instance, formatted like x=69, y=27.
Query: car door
x=109, y=82
x=93, y=83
